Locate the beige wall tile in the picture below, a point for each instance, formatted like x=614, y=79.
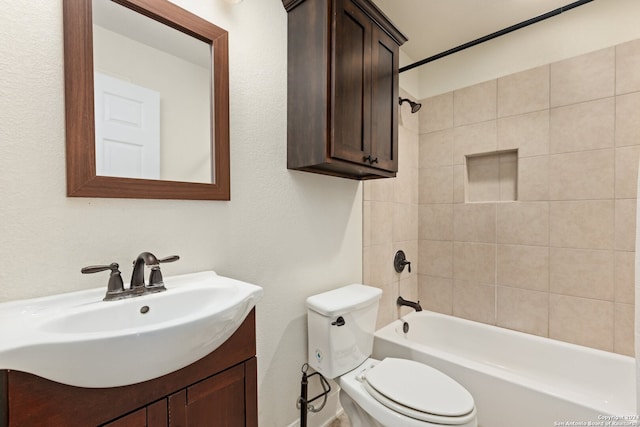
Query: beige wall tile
x=435, y=222
x=381, y=222
x=581, y=321
x=408, y=149
x=366, y=223
x=508, y=176
x=459, y=179
x=408, y=290
x=525, y=267
x=387, y=310
x=474, y=139
x=523, y=310
x=378, y=266
x=380, y=190
x=366, y=264
x=582, y=273
x=474, y=262
x=436, y=113
x=436, y=258
x=474, y=302
x=628, y=119
x=584, y=224
x=474, y=222
x=523, y=92
x=405, y=222
x=483, y=178
x=578, y=146
x=475, y=103
x=405, y=185
x=624, y=329
x=415, y=188
x=366, y=189
x=436, y=148
x=625, y=277
x=582, y=175
x=627, y=66
x=626, y=224
x=528, y=133
x=436, y=293
x=523, y=223
x=627, y=172
x=584, y=126
x=533, y=178
x=583, y=78
x=436, y=185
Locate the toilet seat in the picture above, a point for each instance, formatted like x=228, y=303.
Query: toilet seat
x=419, y=391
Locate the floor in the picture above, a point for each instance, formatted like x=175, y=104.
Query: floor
x=341, y=421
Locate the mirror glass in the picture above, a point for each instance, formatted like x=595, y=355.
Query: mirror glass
x=152, y=97
x=146, y=101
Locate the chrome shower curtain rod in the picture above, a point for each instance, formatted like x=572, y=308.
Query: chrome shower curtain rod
x=499, y=33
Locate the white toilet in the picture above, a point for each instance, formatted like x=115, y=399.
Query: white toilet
x=387, y=393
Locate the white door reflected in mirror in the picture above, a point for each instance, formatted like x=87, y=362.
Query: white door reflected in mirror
x=127, y=129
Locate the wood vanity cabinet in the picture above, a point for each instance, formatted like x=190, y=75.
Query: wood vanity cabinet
x=342, y=114
x=219, y=390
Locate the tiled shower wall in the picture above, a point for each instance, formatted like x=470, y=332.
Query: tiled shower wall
x=390, y=223
x=558, y=261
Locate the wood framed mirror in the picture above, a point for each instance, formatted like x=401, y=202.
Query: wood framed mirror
x=80, y=110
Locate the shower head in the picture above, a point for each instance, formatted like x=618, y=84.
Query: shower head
x=415, y=107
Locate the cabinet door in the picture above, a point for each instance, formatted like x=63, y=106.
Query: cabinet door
x=153, y=415
x=218, y=401
x=134, y=419
x=351, y=83
x=384, y=101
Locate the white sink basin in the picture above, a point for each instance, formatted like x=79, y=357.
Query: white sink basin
x=80, y=340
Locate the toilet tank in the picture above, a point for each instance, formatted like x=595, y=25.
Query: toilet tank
x=341, y=324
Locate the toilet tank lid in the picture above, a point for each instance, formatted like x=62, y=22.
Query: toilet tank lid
x=344, y=299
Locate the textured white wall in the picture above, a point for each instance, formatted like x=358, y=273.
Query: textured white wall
x=590, y=27
x=294, y=233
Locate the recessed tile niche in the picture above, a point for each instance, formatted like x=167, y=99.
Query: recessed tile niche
x=492, y=177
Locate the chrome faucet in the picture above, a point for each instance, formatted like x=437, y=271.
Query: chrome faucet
x=415, y=305
x=115, y=288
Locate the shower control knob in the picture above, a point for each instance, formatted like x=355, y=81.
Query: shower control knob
x=400, y=261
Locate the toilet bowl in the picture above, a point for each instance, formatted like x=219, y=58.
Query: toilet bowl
x=400, y=392
x=380, y=393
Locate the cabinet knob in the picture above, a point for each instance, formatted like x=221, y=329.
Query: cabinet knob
x=372, y=161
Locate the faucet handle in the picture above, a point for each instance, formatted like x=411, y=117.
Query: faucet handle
x=98, y=268
x=155, y=277
x=115, y=285
x=171, y=258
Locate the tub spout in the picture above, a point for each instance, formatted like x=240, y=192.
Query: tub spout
x=415, y=305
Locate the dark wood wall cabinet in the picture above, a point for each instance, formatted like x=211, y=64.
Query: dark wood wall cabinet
x=219, y=390
x=342, y=114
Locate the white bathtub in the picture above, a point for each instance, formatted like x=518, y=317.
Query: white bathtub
x=516, y=379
